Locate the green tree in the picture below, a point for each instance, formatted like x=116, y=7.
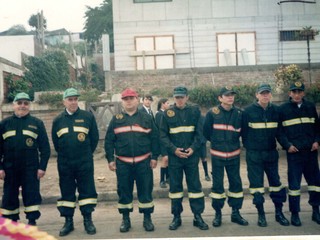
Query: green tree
x=48, y=72
x=97, y=80
x=99, y=20
x=34, y=21
x=17, y=30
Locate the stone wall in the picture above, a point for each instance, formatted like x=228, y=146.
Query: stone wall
x=146, y=81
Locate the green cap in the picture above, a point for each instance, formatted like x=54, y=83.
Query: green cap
x=21, y=96
x=70, y=92
x=180, y=91
x=264, y=87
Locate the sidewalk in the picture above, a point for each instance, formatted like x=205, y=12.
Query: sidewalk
x=106, y=180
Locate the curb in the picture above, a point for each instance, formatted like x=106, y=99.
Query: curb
x=112, y=196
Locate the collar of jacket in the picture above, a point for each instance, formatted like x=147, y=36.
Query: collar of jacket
x=67, y=114
x=14, y=115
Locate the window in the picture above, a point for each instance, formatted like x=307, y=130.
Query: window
x=236, y=49
x=148, y=1
x=154, y=52
x=293, y=35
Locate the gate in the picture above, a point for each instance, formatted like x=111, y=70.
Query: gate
x=103, y=112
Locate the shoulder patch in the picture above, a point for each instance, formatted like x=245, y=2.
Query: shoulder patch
x=119, y=116
x=215, y=110
x=170, y=113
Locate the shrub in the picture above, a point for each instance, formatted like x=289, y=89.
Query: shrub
x=207, y=96
x=52, y=99
x=313, y=93
x=90, y=95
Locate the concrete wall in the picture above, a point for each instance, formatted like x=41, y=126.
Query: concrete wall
x=195, y=24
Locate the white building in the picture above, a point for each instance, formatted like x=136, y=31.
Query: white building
x=167, y=34
x=13, y=47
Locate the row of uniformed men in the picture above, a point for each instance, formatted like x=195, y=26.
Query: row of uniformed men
x=132, y=147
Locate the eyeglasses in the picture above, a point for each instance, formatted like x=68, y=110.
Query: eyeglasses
x=26, y=103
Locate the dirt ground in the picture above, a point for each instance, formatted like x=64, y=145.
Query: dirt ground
x=105, y=179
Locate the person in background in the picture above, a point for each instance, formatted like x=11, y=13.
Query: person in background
x=260, y=129
x=203, y=154
x=222, y=128
x=146, y=105
x=132, y=150
x=180, y=133
x=301, y=128
x=24, y=155
x=75, y=137
x=163, y=105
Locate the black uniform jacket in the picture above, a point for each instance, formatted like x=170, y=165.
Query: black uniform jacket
x=261, y=127
x=132, y=136
x=75, y=136
x=300, y=125
x=21, y=141
x=222, y=128
x=181, y=128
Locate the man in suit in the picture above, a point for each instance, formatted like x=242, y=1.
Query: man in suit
x=146, y=105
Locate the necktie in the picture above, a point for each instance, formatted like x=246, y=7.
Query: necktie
x=150, y=112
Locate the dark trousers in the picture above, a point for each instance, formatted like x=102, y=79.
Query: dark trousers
x=258, y=163
x=235, y=193
x=142, y=174
x=306, y=163
x=28, y=180
x=188, y=166
x=76, y=176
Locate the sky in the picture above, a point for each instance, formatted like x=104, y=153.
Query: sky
x=68, y=14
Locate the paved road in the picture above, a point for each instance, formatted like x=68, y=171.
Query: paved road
x=107, y=220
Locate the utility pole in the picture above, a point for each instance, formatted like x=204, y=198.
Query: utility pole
x=42, y=30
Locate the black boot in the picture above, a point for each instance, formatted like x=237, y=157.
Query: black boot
x=147, y=223
x=88, y=224
x=217, y=219
x=67, y=227
x=199, y=223
x=280, y=218
x=32, y=222
x=236, y=218
x=295, y=219
x=126, y=224
x=315, y=214
x=262, y=222
x=176, y=222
